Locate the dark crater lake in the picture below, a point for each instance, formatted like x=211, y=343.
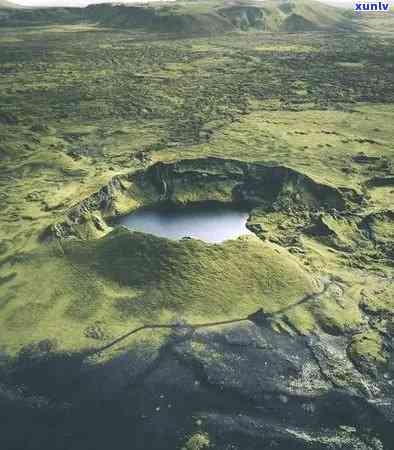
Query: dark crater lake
x=209, y=223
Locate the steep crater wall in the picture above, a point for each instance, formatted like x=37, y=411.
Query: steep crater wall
x=266, y=186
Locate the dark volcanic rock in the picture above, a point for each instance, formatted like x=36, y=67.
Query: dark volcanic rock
x=255, y=362
x=245, y=385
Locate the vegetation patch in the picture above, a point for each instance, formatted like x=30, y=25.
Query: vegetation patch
x=108, y=109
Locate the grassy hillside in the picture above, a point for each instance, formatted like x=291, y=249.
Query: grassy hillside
x=206, y=17
x=215, y=17
x=291, y=16
x=209, y=17
x=167, y=19
x=99, y=116
x=127, y=279
x=96, y=103
x=21, y=17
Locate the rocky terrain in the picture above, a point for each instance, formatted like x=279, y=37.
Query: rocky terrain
x=279, y=339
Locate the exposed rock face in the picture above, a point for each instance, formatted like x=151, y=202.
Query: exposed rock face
x=244, y=385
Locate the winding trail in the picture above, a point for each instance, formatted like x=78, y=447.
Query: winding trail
x=173, y=326
x=255, y=317
x=192, y=327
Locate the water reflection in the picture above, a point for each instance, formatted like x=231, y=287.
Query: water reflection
x=208, y=223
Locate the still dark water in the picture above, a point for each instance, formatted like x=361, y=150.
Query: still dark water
x=208, y=223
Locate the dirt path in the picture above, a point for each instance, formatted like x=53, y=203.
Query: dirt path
x=165, y=326
x=192, y=327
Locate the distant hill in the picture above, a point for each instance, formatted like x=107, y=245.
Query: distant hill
x=216, y=17
x=290, y=16
x=340, y=3
x=21, y=16
x=5, y=4
x=194, y=17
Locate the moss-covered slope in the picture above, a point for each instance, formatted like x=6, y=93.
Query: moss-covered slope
x=127, y=279
x=216, y=17
x=97, y=121
x=190, y=18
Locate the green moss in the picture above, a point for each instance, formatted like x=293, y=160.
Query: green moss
x=175, y=274
x=197, y=441
x=125, y=279
x=339, y=315
x=368, y=346
x=96, y=102
x=378, y=299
